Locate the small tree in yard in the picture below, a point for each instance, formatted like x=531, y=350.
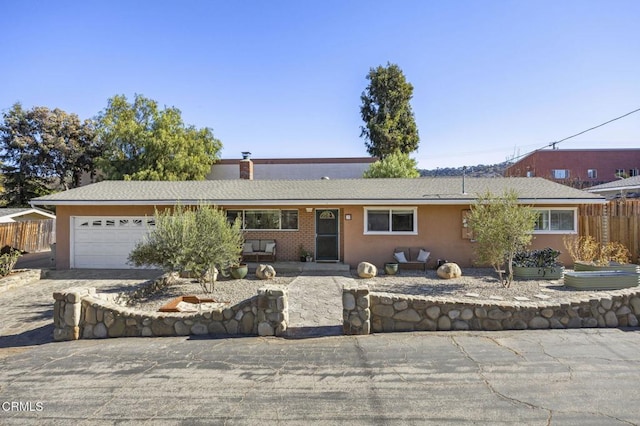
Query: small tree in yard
x=501, y=227
x=200, y=241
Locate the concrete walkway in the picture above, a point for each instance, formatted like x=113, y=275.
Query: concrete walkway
x=315, y=305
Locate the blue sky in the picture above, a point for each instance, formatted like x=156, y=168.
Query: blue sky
x=283, y=78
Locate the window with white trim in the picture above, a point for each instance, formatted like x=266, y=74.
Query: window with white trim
x=270, y=220
x=592, y=173
x=560, y=173
x=556, y=221
x=390, y=220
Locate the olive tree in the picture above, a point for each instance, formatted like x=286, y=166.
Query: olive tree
x=200, y=241
x=501, y=227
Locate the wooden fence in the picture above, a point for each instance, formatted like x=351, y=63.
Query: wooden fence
x=618, y=220
x=30, y=236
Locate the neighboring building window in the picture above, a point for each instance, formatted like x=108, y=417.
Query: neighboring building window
x=556, y=221
x=633, y=172
x=530, y=173
x=620, y=173
x=592, y=174
x=560, y=173
x=272, y=220
x=386, y=220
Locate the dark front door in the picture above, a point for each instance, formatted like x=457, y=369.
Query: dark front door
x=327, y=231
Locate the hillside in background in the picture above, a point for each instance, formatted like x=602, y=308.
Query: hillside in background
x=494, y=170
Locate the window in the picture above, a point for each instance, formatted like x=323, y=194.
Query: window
x=620, y=173
x=265, y=219
x=592, y=174
x=560, y=173
x=385, y=220
x=561, y=221
x=633, y=172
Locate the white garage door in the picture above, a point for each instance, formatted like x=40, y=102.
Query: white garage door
x=105, y=242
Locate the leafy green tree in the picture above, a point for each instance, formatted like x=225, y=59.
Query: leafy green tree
x=386, y=111
x=199, y=240
x=395, y=165
x=43, y=151
x=501, y=227
x=143, y=142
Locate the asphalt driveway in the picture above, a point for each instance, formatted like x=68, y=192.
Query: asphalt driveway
x=557, y=377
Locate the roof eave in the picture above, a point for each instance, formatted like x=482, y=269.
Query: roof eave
x=311, y=202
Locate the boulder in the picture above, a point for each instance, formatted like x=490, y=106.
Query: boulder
x=449, y=270
x=265, y=272
x=367, y=270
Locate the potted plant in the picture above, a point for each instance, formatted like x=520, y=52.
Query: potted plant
x=538, y=264
x=391, y=268
x=589, y=255
x=302, y=253
x=239, y=271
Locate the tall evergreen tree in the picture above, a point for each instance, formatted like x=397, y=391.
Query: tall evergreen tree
x=386, y=111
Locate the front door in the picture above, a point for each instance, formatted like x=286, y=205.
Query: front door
x=327, y=234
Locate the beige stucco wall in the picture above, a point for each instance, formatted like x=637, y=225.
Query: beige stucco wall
x=440, y=231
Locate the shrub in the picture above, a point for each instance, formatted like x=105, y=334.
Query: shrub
x=587, y=249
x=501, y=227
x=8, y=261
x=199, y=241
x=545, y=258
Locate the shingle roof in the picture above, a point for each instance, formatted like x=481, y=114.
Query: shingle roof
x=16, y=211
x=316, y=192
x=632, y=182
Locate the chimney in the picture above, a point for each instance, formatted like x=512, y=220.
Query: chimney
x=246, y=166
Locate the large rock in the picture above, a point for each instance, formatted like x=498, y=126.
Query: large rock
x=265, y=272
x=449, y=270
x=367, y=270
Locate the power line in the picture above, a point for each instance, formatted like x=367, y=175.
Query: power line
x=553, y=144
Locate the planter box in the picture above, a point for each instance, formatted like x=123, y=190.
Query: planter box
x=627, y=267
x=538, y=273
x=601, y=280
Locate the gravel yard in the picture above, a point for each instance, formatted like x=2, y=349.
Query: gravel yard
x=225, y=290
x=475, y=284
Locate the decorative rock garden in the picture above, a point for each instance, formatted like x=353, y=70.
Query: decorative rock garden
x=83, y=313
x=366, y=312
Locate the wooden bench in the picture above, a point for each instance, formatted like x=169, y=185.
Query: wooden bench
x=412, y=258
x=257, y=250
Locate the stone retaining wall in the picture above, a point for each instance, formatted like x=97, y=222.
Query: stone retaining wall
x=365, y=312
x=20, y=277
x=81, y=313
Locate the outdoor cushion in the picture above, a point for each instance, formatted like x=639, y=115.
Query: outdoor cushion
x=247, y=248
x=400, y=257
x=423, y=256
x=269, y=247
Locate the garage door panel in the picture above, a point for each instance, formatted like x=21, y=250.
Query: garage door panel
x=105, y=242
x=108, y=237
x=104, y=262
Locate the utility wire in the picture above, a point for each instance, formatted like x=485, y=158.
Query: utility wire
x=553, y=144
